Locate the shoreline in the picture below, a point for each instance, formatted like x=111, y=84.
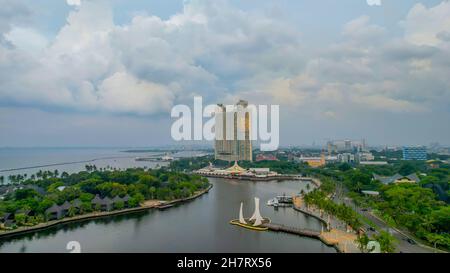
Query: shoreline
x=98, y=215
x=64, y=163
x=282, y=177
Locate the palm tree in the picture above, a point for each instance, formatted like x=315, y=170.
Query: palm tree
x=64, y=175
x=39, y=174
x=72, y=211
x=56, y=173
x=2, y=180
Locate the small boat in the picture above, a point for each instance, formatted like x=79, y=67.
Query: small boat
x=284, y=199
x=272, y=202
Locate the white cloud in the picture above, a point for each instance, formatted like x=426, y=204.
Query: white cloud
x=361, y=29
x=425, y=26
x=212, y=49
x=124, y=93
x=203, y=50
x=73, y=2
x=27, y=39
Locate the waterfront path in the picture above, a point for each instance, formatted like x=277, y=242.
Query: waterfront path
x=336, y=233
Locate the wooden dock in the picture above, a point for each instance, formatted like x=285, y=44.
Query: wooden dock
x=293, y=230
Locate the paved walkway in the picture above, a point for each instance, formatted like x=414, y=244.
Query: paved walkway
x=338, y=232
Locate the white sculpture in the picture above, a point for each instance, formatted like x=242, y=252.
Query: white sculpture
x=241, y=216
x=257, y=215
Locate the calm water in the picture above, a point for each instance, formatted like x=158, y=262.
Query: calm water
x=32, y=159
x=198, y=226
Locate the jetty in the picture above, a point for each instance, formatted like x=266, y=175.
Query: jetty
x=293, y=230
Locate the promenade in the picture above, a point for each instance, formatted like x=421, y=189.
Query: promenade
x=336, y=233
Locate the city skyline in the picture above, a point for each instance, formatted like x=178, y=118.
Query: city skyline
x=106, y=73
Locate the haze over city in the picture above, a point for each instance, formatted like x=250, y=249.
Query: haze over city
x=107, y=73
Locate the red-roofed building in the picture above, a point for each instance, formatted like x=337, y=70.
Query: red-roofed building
x=269, y=157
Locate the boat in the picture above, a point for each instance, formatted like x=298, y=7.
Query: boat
x=280, y=201
x=256, y=222
x=284, y=199
x=272, y=202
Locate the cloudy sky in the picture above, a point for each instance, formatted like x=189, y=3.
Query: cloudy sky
x=107, y=73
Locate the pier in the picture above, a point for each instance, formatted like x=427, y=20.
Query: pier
x=341, y=241
x=293, y=230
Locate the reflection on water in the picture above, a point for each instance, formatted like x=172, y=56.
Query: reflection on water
x=198, y=226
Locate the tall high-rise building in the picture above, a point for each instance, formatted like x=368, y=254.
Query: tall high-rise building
x=233, y=142
x=415, y=153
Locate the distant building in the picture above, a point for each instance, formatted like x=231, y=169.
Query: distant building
x=364, y=156
x=371, y=193
x=346, y=158
x=398, y=178
x=237, y=171
x=340, y=146
x=434, y=164
x=234, y=149
x=314, y=162
x=373, y=163
x=415, y=153
x=263, y=157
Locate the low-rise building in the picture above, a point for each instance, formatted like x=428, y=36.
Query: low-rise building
x=107, y=204
x=268, y=157
x=434, y=164
x=364, y=156
x=346, y=158
x=415, y=153
x=373, y=163
x=236, y=170
x=54, y=212
x=314, y=162
x=397, y=178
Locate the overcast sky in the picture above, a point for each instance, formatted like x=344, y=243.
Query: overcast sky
x=107, y=73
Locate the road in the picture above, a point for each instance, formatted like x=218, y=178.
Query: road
x=402, y=239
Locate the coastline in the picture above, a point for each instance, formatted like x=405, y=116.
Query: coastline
x=98, y=215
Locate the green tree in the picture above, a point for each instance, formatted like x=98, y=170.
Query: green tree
x=439, y=240
x=72, y=211
x=20, y=218
x=386, y=241
x=85, y=207
x=119, y=205
x=407, y=168
x=136, y=199
x=362, y=242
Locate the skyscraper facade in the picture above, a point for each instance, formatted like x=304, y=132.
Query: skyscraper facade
x=233, y=141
